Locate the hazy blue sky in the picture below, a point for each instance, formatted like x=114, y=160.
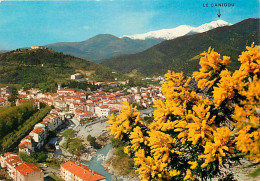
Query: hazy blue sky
x=27, y=22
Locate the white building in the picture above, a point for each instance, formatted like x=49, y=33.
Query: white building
x=38, y=136
x=27, y=145
x=84, y=115
x=65, y=91
x=4, y=102
x=76, y=76
x=102, y=111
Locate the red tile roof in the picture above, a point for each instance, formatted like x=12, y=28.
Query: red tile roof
x=22, y=146
x=21, y=96
x=44, y=123
x=82, y=171
x=27, y=168
x=70, y=90
x=37, y=131
x=86, y=113
x=104, y=106
x=114, y=110
x=14, y=160
x=60, y=101
x=27, y=100
x=2, y=100
x=27, y=138
x=9, y=153
x=79, y=111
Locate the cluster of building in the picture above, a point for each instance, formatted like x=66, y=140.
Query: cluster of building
x=145, y=96
x=5, y=94
x=80, y=77
x=37, y=137
x=19, y=170
x=97, y=104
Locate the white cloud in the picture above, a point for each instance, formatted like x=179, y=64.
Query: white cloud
x=86, y=27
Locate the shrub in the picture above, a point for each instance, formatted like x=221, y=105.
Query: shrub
x=192, y=135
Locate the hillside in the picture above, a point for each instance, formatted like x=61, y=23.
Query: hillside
x=182, y=54
x=45, y=67
x=103, y=46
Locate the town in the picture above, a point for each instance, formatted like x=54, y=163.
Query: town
x=88, y=110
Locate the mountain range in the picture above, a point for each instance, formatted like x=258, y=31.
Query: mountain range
x=182, y=30
x=104, y=46
x=179, y=54
x=183, y=53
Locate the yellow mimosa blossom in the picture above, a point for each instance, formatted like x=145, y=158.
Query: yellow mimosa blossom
x=188, y=175
x=248, y=142
x=137, y=138
x=124, y=121
x=193, y=164
x=127, y=149
x=160, y=144
x=201, y=125
x=148, y=167
x=211, y=65
x=220, y=147
x=174, y=173
x=174, y=84
x=225, y=88
x=238, y=78
x=253, y=92
x=250, y=60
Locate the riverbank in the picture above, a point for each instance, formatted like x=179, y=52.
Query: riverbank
x=96, y=163
x=96, y=129
x=119, y=166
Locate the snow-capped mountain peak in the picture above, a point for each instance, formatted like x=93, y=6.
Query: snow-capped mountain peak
x=182, y=30
x=211, y=25
x=163, y=33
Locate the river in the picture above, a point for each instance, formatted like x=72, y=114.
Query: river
x=54, y=141
x=95, y=164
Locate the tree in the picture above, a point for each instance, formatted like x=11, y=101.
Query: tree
x=68, y=133
x=39, y=156
x=92, y=142
x=91, y=139
x=192, y=135
x=115, y=142
x=131, y=82
x=75, y=146
x=14, y=95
